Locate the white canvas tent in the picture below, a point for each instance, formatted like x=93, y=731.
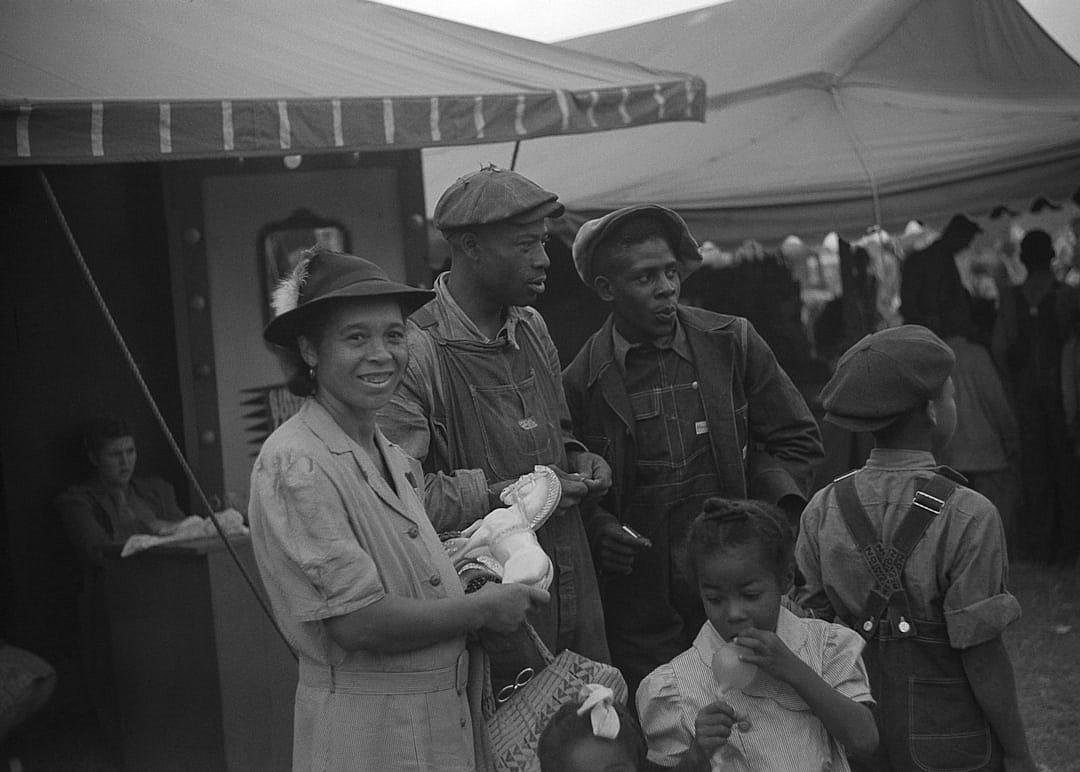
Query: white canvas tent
x=90, y=81
x=828, y=115
x=158, y=125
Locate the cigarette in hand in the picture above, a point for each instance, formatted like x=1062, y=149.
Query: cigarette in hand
x=627, y=529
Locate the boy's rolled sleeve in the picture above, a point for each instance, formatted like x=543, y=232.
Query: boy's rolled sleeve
x=977, y=605
x=982, y=621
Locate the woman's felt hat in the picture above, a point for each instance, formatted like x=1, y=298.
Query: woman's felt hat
x=323, y=276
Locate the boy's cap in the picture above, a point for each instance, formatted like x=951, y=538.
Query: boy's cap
x=592, y=233
x=493, y=195
x=886, y=375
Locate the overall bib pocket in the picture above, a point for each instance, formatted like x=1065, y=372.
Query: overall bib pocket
x=937, y=702
x=513, y=426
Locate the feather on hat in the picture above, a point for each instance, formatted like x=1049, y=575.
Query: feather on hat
x=322, y=276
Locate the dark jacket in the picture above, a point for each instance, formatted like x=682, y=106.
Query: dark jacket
x=89, y=514
x=765, y=440
x=932, y=293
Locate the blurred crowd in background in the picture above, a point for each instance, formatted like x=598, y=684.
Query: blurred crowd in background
x=1003, y=288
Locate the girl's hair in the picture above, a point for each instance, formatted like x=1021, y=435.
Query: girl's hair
x=727, y=524
x=567, y=728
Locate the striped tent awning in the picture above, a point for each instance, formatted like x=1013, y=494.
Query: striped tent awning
x=138, y=80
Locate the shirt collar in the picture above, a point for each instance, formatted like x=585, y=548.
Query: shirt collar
x=319, y=420
x=460, y=327
x=896, y=458
x=678, y=342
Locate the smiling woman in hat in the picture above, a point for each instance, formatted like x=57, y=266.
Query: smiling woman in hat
x=357, y=577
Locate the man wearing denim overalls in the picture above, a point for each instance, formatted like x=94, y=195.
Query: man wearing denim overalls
x=482, y=400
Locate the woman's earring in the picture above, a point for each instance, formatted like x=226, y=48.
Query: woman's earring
x=311, y=372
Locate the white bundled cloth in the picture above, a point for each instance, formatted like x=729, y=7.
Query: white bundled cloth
x=599, y=702
x=189, y=529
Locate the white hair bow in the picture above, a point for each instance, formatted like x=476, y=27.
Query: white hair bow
x=599, y=702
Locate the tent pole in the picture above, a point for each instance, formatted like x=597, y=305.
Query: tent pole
x=513, y=158
x=835, y=92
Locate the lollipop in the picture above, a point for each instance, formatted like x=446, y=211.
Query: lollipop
x=731, y=672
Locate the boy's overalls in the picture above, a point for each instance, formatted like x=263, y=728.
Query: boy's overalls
x=926, y=712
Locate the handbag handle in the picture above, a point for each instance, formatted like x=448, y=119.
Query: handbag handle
x=541, y=647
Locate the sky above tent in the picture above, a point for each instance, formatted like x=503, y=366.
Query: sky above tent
x=876, y=110
x=553, y=20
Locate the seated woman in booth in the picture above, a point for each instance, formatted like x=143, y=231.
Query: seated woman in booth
x=113, y=504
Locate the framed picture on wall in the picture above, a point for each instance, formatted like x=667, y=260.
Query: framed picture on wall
x=281, y=243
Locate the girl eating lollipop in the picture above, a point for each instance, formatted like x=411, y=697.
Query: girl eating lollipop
x=761, y=689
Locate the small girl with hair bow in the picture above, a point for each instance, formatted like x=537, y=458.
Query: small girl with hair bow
x=592, y=733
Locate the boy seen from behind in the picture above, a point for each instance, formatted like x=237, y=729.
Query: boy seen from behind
x=905, y=554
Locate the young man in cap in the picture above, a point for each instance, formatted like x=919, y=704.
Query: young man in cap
x=684, y=404
x=482, y=400
x=905, y=554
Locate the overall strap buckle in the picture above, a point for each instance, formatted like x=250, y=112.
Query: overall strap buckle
x=888, y=597
x=931, y=504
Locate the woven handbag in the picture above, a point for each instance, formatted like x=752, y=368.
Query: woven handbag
x=514, y=729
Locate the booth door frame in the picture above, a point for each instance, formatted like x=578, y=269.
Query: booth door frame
x=189, y=268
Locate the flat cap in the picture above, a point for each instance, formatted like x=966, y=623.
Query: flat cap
x=886, y=375
x=493, y=195
x=592, y=233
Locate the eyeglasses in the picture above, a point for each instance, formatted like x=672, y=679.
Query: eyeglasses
x=507, y=691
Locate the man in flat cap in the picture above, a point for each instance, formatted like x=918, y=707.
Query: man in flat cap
x=482, y=400
x=684, y=404
x=909, y=557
